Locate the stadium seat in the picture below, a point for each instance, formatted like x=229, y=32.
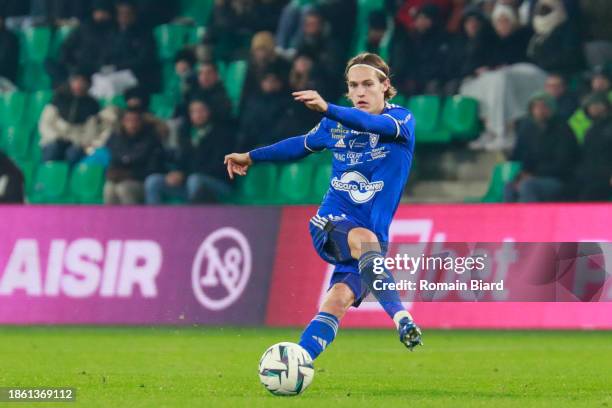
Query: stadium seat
x=59, y=36
x=34, y=44
x=50, y=183
x=460, y=117
x=27, y=168
x=162, y=106
x=259, y=186
x=426, y=111
x=294, y=183
x=16, y=142
x=502, y=174
x=198, y=10
x=36, y=103
x=86, y=184
x=364, y=8
x=117, y=100
x=320, y=182
x=170, y=38
x=233, y=80
x=33, y=77
x=12, y=107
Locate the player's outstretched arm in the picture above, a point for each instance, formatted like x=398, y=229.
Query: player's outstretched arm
x=384, y=125
x=290, y=149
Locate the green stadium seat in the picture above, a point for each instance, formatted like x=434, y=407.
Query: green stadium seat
x=50, y=183
x=36, y=103
x=233, y=80
x=34, y=44
x=460, y=117
x=259, y=186
x=426, y=111
x=12, y=107
x=196, y=35
x=162, y=106
x=33, y=77
x=59, y=37
x=364, y=8
x=86, y=184
x=117, y=100
x=198, y=10
x=502, y=174
x=170, y=38
x=294, y=183
x=320, y=182
x=16, y=142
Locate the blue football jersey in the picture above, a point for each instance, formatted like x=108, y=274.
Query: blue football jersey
x=368, y=172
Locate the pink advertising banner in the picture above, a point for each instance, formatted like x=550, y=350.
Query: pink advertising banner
x=436, y=225
x=135, y=265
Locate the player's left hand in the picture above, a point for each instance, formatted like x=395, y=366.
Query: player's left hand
x=311, y=99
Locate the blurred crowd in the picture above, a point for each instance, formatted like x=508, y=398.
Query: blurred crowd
x=538, y=68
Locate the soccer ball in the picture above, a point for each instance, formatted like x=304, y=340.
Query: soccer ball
x=286, y=369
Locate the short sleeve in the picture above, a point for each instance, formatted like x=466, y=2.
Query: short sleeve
x=318, y=138
x=404, y=122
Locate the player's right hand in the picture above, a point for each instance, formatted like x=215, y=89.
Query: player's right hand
x=237, y=163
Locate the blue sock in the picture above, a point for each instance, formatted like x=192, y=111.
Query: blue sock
x=319, y=333
x=388, y=299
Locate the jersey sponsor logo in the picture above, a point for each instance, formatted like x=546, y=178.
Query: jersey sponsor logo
x=378, y=153
x=340, y=144
x=354, y=158
x=339, y=131
x=340, y=156
x=354, y=144
x=221, y=268
x=359, y=188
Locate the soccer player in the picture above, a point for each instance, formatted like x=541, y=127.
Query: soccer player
x=372, y=145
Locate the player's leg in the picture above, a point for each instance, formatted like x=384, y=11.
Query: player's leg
x=322, y=329
x=364, y=247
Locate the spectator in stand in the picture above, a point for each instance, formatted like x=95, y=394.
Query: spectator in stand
x=69, y=126
x=512, y=39
x=263, y=58
x=555, y=45
x=471, y=53
x=405, y=12
x=185, y=74
x=193, y=171
x=318, y=43
x=57, y=10
x=208, y=87
x=377, y=28
x=565, y=100
x=547, y=151
x=262, y=111
x=593, y=179
x=135, y=153
x=9, y=57
x=11, y=181
x=133, y=48
x=84, y=47
x=426, y=47
x=601, y=79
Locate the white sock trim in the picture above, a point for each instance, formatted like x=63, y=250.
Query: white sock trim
x=399, y=316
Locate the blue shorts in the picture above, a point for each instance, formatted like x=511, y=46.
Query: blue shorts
x=330, y=239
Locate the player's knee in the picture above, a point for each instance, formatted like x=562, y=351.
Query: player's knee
x=362, y=240
x=338, y=300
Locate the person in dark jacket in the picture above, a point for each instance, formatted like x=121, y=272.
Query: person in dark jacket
x=555, y=45
x=193, y=170
x=471, y=51
x=135, y=153
x=262, y=111
x=11, y=181
x=420, y=56
x=512, y=39
x=547, y=151
x=9, y=53
x=84, y=49
x=593, y=178
x=565, y=100
x=132, y=47
x=208, y=87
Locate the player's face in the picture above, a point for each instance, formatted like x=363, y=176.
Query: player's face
x=365, y=89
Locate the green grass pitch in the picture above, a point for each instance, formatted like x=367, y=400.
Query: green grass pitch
x=217, y=367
